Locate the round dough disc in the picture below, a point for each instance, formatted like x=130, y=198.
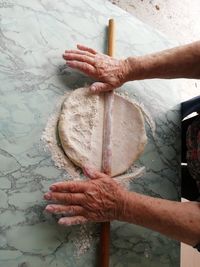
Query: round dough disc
x=80, y=129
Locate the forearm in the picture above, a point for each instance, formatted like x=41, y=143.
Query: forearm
x=176, y=220
x=180, y=62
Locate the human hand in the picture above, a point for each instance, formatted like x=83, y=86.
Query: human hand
x=109, y=72
x=97, y=199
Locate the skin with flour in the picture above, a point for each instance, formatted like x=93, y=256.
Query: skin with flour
x=100, y=198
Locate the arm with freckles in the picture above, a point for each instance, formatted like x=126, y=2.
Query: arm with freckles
x=110, y=73
x=178, y=62
x=100, y=199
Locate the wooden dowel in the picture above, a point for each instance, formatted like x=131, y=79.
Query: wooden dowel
x=111, y=37
x=106, y=150
x=108, y=106
x=105, y=244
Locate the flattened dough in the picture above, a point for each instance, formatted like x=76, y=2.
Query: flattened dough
x=80, y=129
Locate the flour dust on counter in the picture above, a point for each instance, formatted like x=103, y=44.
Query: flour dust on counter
x=52, y=142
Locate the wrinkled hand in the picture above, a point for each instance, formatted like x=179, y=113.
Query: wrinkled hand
x=109, y=72
x=96, y=199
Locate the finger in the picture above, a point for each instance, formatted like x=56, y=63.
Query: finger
x=98, y=87
x=85, y=48
x=82, y=66
x=72, y=220
x=78, y=57
x=80, y=52
x=92, y=173
x=69, y=198
x=70, y=210
x=73, y=187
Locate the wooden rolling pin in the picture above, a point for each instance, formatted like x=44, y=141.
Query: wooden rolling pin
x=106, y=151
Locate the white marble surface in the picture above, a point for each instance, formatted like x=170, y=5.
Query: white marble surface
x=33, y=36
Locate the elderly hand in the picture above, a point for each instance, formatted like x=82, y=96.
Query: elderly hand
x=97, y=199
x=109, y=72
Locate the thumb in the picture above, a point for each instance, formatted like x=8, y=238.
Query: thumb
x=98, y=87
x=92, y=173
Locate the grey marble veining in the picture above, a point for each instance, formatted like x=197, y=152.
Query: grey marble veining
x=33, y=36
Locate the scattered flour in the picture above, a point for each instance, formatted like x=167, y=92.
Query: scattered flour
x=132, y=173
x=50, y=139
x=82, y=241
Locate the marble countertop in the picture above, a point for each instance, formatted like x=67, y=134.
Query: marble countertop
x=33, y=36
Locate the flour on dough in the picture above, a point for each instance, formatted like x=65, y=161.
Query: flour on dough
x=81, y=129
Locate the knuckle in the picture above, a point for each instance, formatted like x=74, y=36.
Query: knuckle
x=72, y=211
x=65, y=198
x=55, y=196
x=90, y=71
x=94, y=184
x=78, y=221
x=58, y=209
x=68, y=197
x=73, y=188
x=84, y=66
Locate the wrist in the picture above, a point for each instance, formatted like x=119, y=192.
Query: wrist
x=126, y=67
x=127, y=206
x=139, y=68
x=135, y=68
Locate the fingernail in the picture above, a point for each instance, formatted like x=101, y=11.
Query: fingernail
x=49, y=208
x=52, y=187
x=47, y=196
x=63, y=221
